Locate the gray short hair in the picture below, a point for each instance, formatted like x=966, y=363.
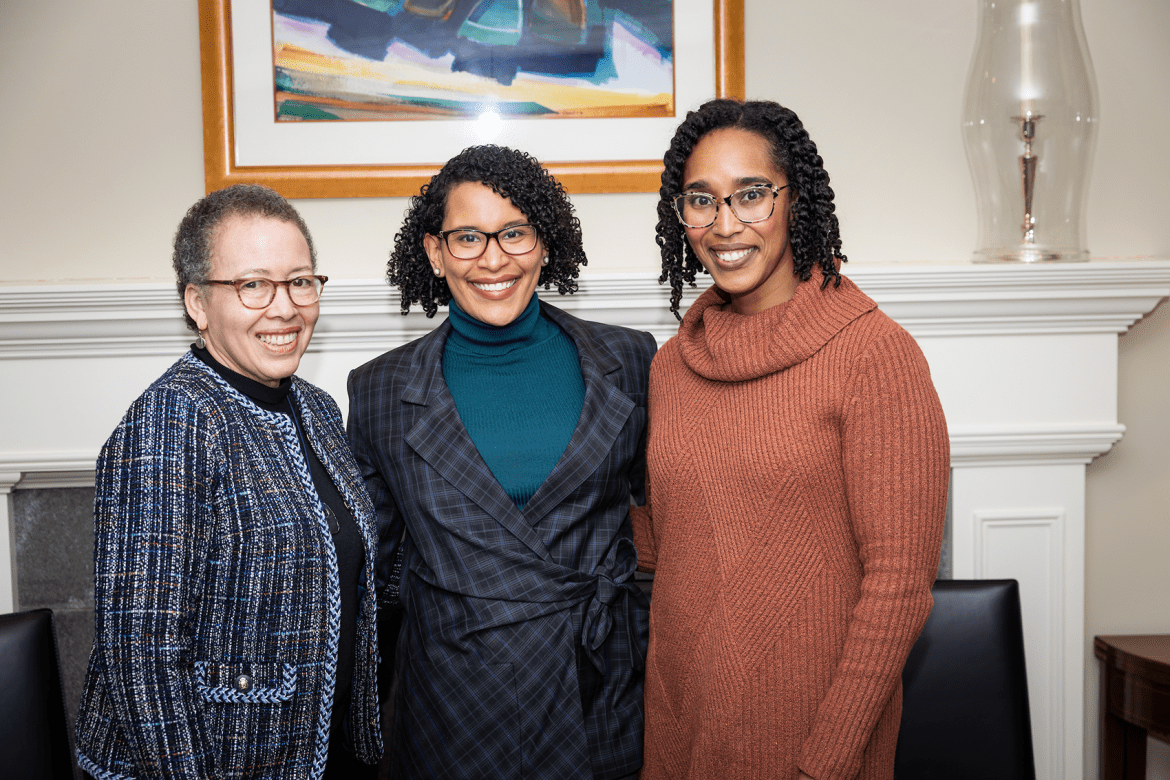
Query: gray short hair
x=196, y=233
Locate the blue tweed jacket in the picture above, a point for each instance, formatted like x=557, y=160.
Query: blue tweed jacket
x=522, y=652
x=216, y=591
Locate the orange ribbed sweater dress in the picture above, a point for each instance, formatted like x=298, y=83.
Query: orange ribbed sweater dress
x=798, y=464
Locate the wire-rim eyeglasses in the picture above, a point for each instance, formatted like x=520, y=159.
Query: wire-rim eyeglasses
x=749, y=205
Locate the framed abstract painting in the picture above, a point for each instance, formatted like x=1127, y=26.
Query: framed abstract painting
x=364, y=98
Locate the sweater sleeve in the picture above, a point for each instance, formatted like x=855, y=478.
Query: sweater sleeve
x=153, y=514
x=896, y=460
x=644, y=535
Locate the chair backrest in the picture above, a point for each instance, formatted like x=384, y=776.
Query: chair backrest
x=34, y=740
x=965, y=690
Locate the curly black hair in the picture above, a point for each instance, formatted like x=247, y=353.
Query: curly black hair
x=813, y=232
x=511, y=174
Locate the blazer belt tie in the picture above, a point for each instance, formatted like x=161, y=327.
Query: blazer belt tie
x=599, y=616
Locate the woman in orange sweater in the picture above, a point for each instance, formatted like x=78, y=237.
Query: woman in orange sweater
x=797, y=474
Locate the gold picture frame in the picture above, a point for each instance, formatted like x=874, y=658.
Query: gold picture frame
x=384, y=180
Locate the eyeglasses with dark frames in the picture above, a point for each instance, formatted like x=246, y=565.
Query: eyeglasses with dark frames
x=751, y=204
x=467, y=244
x=258, y=293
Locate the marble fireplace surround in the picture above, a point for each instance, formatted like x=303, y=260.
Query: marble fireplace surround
x=1024, y=358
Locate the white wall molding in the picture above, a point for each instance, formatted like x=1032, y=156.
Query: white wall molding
x=1032, y=446
x=981, y=300
x=29, y=470
x=61, y=322
x=1007, y=542
x=65, y=321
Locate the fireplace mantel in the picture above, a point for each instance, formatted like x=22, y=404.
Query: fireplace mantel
x=1024, y=358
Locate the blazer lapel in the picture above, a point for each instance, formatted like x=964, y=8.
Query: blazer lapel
x=439, y=438
x=603, y=415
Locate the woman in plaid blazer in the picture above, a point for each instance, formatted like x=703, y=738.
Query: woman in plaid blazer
x=233, y=537
x=508, y=442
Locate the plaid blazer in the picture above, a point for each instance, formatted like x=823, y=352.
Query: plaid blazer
x=216, y=591
x=523, y=649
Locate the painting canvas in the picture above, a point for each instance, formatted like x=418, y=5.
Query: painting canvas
x=388, y=60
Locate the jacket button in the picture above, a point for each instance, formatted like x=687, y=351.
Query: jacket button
x=243, y=683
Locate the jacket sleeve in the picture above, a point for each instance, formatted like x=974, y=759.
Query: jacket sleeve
x=647, y=347
x=153, y=515
x=389, y=521
x=896, y=460
x=640, y=516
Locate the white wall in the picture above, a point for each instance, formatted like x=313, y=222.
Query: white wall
x=101, y=152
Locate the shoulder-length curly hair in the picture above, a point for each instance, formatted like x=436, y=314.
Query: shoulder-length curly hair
x=813, y=230
x=511, y=174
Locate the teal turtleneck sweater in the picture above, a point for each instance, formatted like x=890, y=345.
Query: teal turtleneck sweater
x=519, y=393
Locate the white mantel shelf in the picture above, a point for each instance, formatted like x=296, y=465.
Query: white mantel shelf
x=61, y=321
x=1024, y=358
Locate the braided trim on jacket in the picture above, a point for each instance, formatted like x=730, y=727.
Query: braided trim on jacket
x=225, y=694
x=333, y=593
x=96, y=771
x=367, y=742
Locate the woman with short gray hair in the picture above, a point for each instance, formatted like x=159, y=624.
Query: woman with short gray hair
x=234, y=539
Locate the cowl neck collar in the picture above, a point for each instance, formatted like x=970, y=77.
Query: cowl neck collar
x=727, y=347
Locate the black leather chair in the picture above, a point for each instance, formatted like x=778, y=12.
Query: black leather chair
x=34, y=740
x=965, y=691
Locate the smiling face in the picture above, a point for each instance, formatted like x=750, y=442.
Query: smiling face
x=495, y=287
x=262, y=344
x=750, y=262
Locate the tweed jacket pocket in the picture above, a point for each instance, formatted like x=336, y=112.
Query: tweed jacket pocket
x=246, y=683
x=247, y=713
